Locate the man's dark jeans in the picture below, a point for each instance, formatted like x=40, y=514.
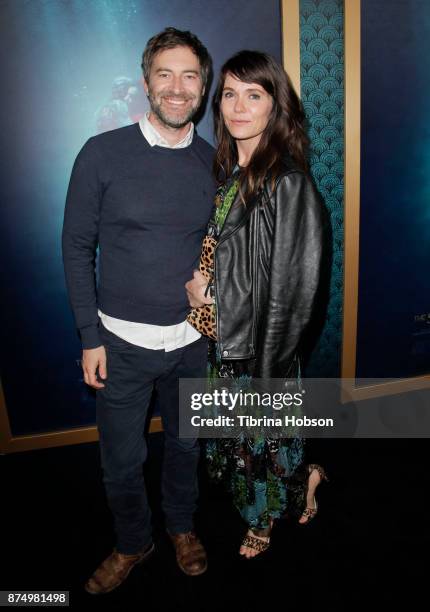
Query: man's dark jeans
x=122, y=406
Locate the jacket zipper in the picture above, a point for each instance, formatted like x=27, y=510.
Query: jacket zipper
x=255, y=279
x=220, y=241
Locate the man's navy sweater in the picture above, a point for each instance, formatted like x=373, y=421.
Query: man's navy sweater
x=146, y=208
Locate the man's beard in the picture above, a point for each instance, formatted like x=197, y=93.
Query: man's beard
x=173, y=121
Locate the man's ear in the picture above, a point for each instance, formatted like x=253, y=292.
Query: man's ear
x=145, y=85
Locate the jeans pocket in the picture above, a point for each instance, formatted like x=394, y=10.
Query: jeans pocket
x=112, y=342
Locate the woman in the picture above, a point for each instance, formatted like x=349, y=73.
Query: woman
x=262, y=257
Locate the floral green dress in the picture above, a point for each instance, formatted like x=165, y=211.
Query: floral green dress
x=266, y=476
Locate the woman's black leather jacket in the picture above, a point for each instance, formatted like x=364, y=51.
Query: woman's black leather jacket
x=267, y=268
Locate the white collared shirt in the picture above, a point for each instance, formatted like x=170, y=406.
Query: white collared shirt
x=155, y=337
x=154, y=138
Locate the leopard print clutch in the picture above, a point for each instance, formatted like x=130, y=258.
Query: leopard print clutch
x=203, y=317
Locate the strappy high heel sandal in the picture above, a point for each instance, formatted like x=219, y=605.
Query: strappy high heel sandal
x=310, y=513
x=257, y=539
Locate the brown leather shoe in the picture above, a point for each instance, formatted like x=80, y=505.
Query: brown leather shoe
x=190, y=554
x=114, y=570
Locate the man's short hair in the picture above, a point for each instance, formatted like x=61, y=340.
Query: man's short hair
x=170, y=38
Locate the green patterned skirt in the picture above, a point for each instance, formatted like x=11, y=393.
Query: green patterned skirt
x=267, y=477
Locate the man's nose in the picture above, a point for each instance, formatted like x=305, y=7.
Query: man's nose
x=177, y=84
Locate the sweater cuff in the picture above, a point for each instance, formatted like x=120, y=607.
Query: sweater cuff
x=90, y=337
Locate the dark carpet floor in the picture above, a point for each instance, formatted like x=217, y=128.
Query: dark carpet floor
x=367, y=546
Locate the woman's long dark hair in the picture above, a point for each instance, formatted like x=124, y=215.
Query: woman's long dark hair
x=284, y=133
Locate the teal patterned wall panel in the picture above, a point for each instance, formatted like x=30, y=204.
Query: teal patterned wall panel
x=322, y=93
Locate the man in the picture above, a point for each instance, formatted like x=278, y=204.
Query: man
x=143, y=194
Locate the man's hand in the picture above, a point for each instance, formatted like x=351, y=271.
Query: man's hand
x=91, y=360
x=196, y=290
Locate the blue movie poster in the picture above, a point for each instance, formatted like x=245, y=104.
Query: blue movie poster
x=393, y=336
x=71, y=69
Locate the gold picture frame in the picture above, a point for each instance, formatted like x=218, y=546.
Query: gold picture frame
x=10, y=443
x=352, y=33
x=79, y=435
x=291, y=58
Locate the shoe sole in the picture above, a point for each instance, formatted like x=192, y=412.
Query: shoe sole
x=145, y=557
x=199, y=573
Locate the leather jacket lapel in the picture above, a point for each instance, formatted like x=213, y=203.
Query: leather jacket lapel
x=236, y=216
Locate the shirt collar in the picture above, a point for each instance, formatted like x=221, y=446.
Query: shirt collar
x=154, y=138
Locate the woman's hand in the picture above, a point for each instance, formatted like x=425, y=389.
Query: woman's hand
x=196, y=290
